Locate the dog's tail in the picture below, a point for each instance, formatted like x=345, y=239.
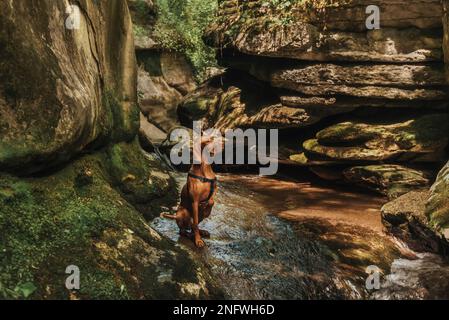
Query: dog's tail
x=168, y=216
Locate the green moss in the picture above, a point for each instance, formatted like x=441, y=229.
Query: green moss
x=345, y=133
x=300, y=158
x=49, y=223
x=425, y=131
x=180, y=27
x=197, y=108
x=437, y=208
x=124, y=119
x=39, y=217
x=103, y=285
x=139, y=178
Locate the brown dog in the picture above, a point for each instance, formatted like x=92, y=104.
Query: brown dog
x=197, y=199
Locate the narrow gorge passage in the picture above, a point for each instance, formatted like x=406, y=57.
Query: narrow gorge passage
x=277, y=238
x=93, y=95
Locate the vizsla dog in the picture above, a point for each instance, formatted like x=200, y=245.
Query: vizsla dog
x=197, y=199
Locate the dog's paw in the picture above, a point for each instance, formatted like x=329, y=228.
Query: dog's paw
x=199, y=243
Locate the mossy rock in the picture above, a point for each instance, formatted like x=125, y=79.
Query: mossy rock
x=422, y=139
x=77, y=216
x=437, y=208
x=140, y=177
x=390, y=180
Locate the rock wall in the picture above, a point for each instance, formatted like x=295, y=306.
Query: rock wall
x=75, y=185
x=365, y=107
x=355, y=98
x=61, y=91
x=428, y=222
x=164, y=77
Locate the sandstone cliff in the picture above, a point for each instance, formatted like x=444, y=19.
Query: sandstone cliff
x=366, y=107
x=68, y=125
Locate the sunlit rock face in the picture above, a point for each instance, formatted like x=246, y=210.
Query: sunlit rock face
x=437, y=208
x=364, y=107
x=330, y=30
x=380, y=95
x=64, y=90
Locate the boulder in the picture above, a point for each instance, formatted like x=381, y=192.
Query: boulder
x=62, y=90
x=163, y=79
x=143, y=14
x=405, y=218
x=390, y=180
x=423, y=139
x=157, y=99
x=150, y=136
x=85, y=215
x=178, y=72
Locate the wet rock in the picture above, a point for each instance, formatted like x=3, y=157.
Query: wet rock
x=423, y=278
x=405, y=218
x=418, y=140
x=390, y=180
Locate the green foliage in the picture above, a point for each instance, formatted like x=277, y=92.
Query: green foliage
x=180, y=27
x=262, y=15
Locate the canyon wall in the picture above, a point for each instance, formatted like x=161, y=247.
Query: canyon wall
x=164, y=77
x=75, y=185
x=363, y=107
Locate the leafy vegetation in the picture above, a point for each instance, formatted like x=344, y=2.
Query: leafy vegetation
x=180, y=27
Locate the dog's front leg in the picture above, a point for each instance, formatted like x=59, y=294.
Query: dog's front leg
x=195, y=228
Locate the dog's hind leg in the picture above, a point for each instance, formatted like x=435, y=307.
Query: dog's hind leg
x=168, y=216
